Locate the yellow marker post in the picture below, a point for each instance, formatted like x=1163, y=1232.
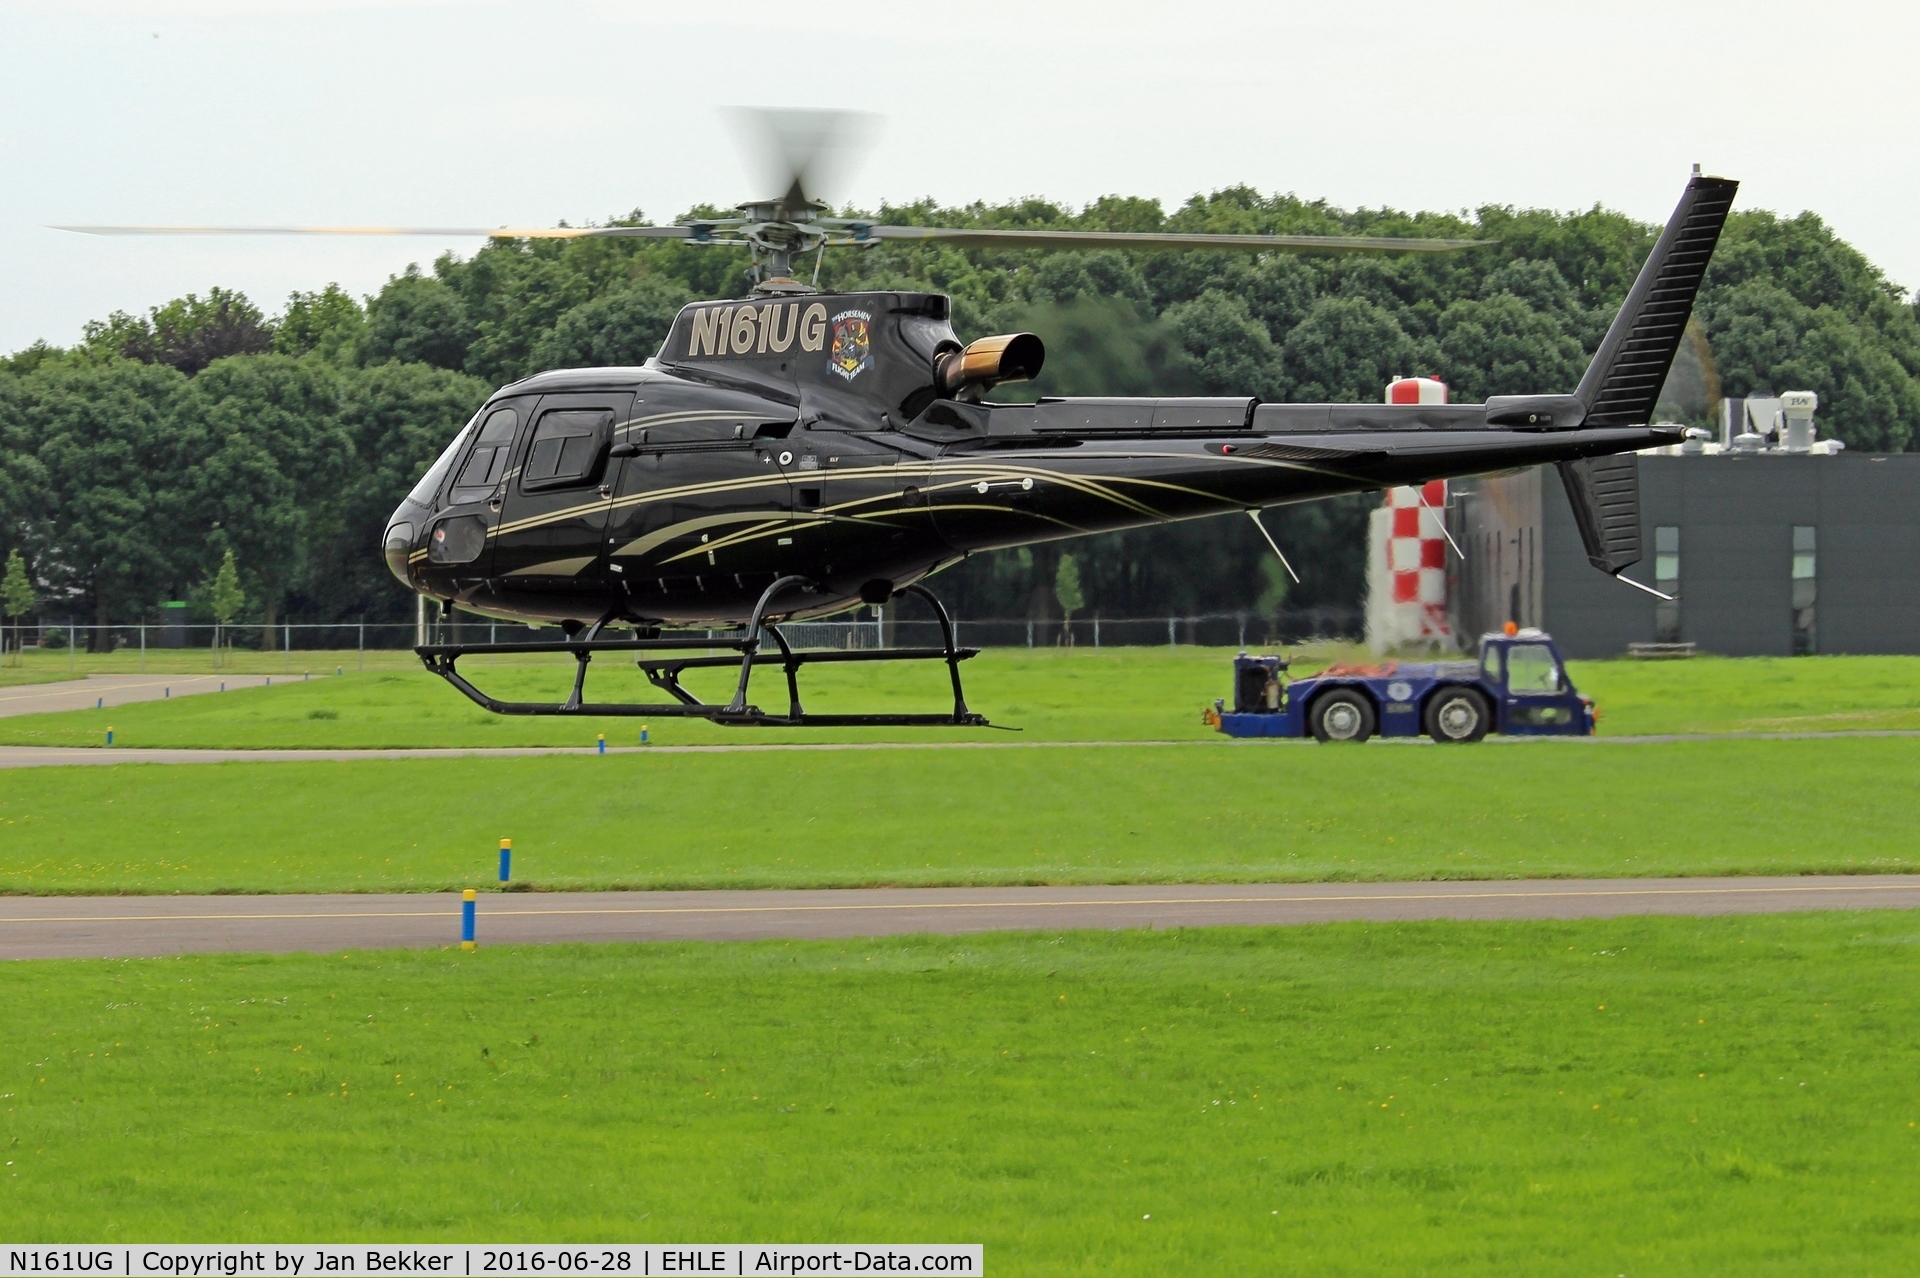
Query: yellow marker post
x=467, y=899
x=506, y=859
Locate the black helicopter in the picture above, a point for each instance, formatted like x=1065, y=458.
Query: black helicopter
x=793, y=454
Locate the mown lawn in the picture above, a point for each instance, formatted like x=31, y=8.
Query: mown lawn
x=1116, y=694
x=1625, y=1096
x=1052, y=814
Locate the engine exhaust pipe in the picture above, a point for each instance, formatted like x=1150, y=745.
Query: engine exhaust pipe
x=989, y=362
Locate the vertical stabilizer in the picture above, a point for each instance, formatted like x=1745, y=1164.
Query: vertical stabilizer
x=1622, y=384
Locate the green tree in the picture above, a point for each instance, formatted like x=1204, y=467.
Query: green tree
x=25, y=361
x=1766, y=339
x=22, y=478
x=1231, y=351
x=397, y=418
x=328, y=323
x=105, y=464
x=1346, y=350
x=16, y=592
x=1066, y=590
x=187, y=333
x=618, y=328
x=1100, y=345
x=267, y=454
x=1502, y=346
x=1275, y=586
x=226, y=598
x=417, y=319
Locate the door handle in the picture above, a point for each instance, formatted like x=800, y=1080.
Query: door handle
x=606, y=490
x=494, y=505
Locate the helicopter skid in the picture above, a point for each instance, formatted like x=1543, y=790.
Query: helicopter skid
x=664, y=673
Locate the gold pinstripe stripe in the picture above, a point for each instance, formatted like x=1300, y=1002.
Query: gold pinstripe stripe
x=967, y=473
x=741, y=538
x=772, y=529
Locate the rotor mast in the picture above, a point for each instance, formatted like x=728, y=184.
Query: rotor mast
x=777, y=231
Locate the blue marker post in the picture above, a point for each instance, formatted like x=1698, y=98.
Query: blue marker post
x=99, y=703
x=643, y=734
x=603, y=743
x=467, y=899
x=506, y=859
x=109, y=734
x=166, y=693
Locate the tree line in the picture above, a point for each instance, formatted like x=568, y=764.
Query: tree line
x=134, y=461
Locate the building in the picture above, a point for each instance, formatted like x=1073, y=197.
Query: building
x=1767, y=552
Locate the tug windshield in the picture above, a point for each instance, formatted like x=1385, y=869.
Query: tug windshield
x=1532, y=671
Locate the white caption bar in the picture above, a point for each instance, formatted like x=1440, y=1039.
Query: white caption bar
x=598, y=1260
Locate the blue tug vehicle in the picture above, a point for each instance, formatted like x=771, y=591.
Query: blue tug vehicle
x=1519, y=686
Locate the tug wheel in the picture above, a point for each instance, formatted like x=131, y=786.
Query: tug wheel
x=1341, y=715
x=1457, y=716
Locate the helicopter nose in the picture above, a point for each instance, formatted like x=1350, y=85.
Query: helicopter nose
x=397, y=546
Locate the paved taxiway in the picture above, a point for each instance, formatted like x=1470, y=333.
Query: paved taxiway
x=119, y=690
x=77, y=927
x=63, y=756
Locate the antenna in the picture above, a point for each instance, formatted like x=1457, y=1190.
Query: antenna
x=1254, y=515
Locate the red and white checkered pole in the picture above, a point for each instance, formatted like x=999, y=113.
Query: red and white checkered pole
x=1416, y=540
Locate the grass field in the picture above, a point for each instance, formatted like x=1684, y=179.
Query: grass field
x=1626, y=1096
x=1253, y=811
x=1117, y=694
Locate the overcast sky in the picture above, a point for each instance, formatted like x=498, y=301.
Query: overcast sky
x=310, y=111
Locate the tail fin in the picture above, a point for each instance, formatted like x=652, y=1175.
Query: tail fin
x=1622, y=384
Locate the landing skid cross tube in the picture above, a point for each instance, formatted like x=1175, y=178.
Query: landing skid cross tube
x=664, y=673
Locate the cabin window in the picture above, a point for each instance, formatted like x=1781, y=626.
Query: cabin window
x=1532, y=671
x=566, y=448
x=488, y=462
x=423, y=492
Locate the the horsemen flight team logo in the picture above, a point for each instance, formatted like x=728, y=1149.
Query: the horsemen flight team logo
x=776, y=328
x=852, y=344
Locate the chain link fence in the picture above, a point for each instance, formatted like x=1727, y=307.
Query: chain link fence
x=868, y=629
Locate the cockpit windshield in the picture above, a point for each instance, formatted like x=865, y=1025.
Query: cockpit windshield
x=422, y=494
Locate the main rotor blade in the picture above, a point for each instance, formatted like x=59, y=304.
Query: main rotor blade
x=800, y=157
x=438, y=232
x=1160, y=240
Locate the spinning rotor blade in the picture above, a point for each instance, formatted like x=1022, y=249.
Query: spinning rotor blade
x=803, y=157
x=1153, y=240
x=439, y=232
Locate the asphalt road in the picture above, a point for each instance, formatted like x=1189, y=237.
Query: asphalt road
x=66, y=756
x=118, y=690
x=114, y=927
